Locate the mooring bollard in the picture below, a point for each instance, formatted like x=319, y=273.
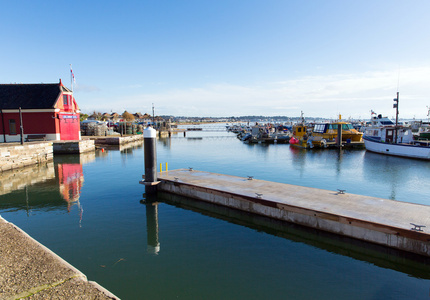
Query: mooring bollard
x=149, y=139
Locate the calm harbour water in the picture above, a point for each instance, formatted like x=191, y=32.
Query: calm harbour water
x=88, y=210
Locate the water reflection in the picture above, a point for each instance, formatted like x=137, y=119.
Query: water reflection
x=151, y=205
x=21, y=178
x=165, y=142
x=71, y=179
x=339, y=157
x=54, y=186
x=411, y=264
x=395, y=173
x=298, y=159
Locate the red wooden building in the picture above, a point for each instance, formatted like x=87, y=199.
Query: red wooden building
x=47, y=111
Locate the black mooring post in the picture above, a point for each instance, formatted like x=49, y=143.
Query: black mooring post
x=149, y=139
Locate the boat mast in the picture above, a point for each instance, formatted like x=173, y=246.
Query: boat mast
x=396, y=106
x=428, y=114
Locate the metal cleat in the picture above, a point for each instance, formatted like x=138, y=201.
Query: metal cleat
x=417, y=227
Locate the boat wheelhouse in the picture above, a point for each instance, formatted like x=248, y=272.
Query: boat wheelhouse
x=329, y=132
x=385, y=137
x=384, y=130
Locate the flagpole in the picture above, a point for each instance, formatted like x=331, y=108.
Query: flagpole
x=71, y=77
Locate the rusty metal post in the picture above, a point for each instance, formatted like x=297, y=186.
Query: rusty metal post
x=339, y=135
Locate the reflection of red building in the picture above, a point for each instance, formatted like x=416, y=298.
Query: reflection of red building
x=48, y=111
x=71, y=179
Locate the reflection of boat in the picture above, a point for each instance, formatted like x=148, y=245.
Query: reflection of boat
x=385, y=137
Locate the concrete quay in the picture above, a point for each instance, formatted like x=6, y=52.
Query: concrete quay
x=381, y=221
x=15, y=155
x=114, y=140
x=30, y=270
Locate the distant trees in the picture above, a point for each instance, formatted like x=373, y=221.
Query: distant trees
x=127, y=116
x=83, y=117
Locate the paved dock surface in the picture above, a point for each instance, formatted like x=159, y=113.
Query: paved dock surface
x=29, y=270
x=366, y=208
x=356, y=215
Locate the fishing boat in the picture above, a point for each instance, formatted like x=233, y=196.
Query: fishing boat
x=265, y=135
x=385, y=137
x=326, y=134
x=300, y=134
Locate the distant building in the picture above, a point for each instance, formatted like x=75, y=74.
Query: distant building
x=137, y=116
x=48, y=111
x=146, y=119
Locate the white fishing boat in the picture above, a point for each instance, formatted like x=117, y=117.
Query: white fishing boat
x=385, y=137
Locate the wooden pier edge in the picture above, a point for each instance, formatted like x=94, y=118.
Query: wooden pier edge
x=408, y=240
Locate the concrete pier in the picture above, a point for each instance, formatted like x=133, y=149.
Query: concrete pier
x=400, y=225
x=114, y=140
x=29, y=269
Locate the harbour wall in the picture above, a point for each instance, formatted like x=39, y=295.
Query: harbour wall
x=15, y=155
x=116, y=140
x=30, y=270
x=73, y=147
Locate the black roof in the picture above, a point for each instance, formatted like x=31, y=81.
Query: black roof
x=30, y=96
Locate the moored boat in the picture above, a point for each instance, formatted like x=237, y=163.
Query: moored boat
x=326, y=134
x=300, y=134
x=385, y=137
x=265, y=135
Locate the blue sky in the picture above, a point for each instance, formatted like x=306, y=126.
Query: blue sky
x=226, y=57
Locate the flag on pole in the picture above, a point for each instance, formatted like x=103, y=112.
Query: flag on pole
x=71, y=74
x=72, y=77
